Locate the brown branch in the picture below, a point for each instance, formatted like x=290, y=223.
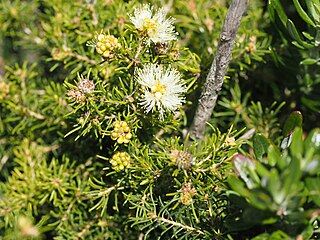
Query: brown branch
x=218, y=69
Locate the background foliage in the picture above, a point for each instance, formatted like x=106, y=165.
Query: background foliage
x=58, y=180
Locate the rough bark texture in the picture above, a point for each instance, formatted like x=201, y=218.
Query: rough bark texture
x=214, y=81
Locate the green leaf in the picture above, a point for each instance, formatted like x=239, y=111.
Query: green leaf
x=260, y=145
x=274, y=185
x=291, y=177
x=314, y=105
x=273, y=155
x=276, y=5
x=313, y=139
x=261, y=170
x=312, y=5
x=296, y=147
x=277, y=235
x=293, y=31
x=302, y=13
x=238, y=186
x=313, y=186
x=308, y=36
x=309, y=61
x=294, y=120
x=295, y=34
x=258, y=198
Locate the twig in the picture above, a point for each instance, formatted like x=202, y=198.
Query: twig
x=218, y=69
x=83, y=58
x=176, y=224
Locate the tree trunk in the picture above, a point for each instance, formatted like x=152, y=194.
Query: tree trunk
x=218, y=69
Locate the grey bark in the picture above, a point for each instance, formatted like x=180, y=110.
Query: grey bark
x=214, y=81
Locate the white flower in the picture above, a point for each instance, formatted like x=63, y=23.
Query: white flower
x=163, y=88
x=157, y=28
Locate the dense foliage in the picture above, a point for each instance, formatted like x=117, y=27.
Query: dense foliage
x=96, y=98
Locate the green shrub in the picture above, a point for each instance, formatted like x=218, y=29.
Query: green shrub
x=95, y=106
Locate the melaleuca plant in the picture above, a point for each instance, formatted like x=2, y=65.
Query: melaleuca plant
x=94, y=141
x=111, y=158
x=148, y=169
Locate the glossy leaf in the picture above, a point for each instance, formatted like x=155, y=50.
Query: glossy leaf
x=291, y=177
x=274, y=185
x=273, y=155
x=260, y=145
x=238, y=186
x=313, y=185
x=313, y=139
x=294, y=120
x=296, y=147
x=286, y=142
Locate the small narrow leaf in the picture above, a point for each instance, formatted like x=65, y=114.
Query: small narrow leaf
x=302, y=13
x=312, y=5
x=276, y=5
x=309, y=61
x=295, y=34
x=293, y=31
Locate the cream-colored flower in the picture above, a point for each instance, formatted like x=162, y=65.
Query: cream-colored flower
x=157, y=28
x=163, y=88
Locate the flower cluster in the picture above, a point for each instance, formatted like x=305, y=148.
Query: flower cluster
x=120, y=161
x=186, y=194
x=162, y=88
x=27, y=229
x=106, y=44
x=59, y=54
x=4, y=89
x=252, y=44
x=182, y=159
x=229, y=141
x=155, y=28
x=121, y=132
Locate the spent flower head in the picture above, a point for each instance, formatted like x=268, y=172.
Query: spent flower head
x=162, y=88
x=4, y=89
x=86, y=86
x=182, y=159
x=186, y=194
x=155, y=27
x=76, y=95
